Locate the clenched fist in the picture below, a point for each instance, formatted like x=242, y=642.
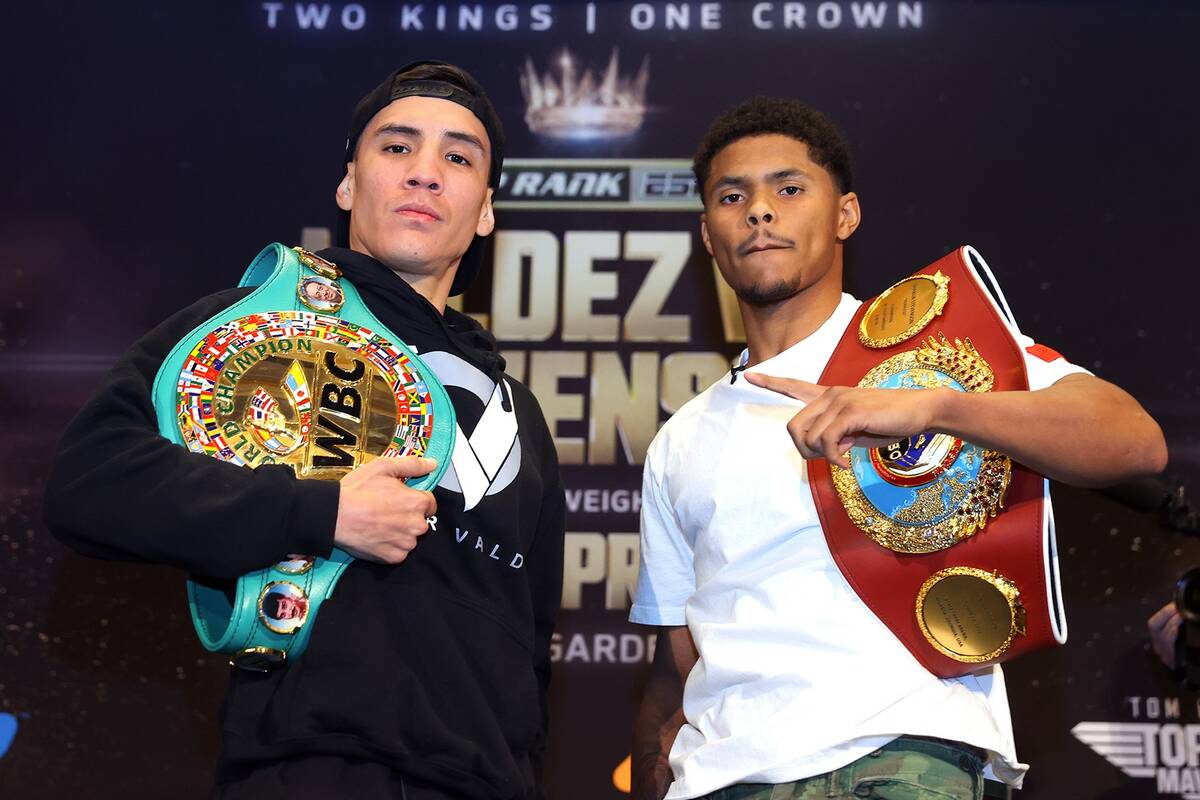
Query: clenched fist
x=379, y=517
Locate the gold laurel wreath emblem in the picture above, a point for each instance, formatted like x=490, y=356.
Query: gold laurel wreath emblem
x=975, y=502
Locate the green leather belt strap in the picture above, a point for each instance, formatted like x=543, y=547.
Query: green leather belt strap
x=304, y=326
x=241, y=631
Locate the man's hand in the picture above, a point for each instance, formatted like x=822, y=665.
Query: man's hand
x=379, y=518
x=1164, y=628
x=838, y=418
x=1080, y=430
x=660, y=713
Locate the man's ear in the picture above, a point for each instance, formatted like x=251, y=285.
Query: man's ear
x=345, y=190
x=487, y=216
x=704, y=233
x=849, y=216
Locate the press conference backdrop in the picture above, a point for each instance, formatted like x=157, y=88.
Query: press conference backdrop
x=151, y=149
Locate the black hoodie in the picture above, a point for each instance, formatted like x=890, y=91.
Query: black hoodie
x=438, y=666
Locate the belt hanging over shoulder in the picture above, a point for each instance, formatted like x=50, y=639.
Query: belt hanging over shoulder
x=951, y=545
x=298, y=373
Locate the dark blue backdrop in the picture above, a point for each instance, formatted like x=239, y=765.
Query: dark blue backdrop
x=151, y=149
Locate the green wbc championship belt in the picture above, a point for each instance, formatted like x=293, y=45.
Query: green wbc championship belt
x=298, y=373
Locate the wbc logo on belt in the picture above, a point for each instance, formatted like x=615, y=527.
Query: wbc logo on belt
x=287, y=376
x=311, y=391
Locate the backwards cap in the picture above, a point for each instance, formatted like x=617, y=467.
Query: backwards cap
x=469, y=95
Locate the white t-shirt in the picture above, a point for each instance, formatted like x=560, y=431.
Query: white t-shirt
x=796, y=676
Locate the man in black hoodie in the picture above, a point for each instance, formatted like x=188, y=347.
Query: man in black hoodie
x=426, y=674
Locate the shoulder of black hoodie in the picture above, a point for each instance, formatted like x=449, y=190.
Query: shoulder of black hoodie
x=119, y=490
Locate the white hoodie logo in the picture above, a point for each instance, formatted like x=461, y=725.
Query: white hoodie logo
x=488, y=460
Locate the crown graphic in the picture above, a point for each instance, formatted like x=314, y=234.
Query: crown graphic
x=562, y=105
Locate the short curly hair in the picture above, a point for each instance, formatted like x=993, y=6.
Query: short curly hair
x=765, y=115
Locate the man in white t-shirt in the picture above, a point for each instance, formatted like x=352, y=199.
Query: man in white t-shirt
x=790, y=687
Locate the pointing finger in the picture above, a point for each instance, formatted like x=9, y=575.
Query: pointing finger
x=791, y=387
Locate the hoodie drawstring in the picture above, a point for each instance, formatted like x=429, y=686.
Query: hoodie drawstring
x=505, y=396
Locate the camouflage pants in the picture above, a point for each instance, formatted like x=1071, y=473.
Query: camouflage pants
x=907, y=768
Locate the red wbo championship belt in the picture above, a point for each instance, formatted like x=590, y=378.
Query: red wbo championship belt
x=951, y=545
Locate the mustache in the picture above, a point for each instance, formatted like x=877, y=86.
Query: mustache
x=759, y=238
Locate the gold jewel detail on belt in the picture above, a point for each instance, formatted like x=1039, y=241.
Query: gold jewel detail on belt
x=932, y=490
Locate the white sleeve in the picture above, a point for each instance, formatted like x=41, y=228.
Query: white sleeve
x=1045, y=366
x=666, y=573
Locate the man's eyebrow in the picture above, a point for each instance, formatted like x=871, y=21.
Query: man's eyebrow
x=784, y=174
x=730, y=182
x=742, y=181
x=467, y=138
x=396, y=129
x=401, y=130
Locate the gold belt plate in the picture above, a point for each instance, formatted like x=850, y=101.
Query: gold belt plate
x=903, y=310
x=952, y=487
x=310, y=391
x=969, y=614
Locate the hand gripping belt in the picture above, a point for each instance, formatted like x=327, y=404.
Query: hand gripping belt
x=197, y=407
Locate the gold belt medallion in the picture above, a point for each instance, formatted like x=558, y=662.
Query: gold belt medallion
x=929, y=491
x=903, y=310
x=311, y=391
x=969, y=614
